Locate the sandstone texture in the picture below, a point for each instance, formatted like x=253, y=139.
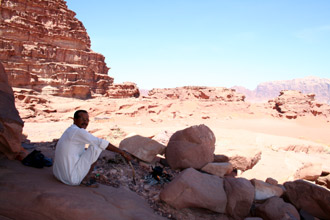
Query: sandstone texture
x=143, y=148
x=45, y=48
x=315, y=199
x=198, y=92
x=240, y=196
x=31, y=193
x=291, y=104
x=11, y=124
x=184, y=145
x=127, y=89
x=194, y=189
x=275, y=208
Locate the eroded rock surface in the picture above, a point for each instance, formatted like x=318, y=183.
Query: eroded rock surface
x=198, y=92
x=195, y=189
x=44, y=47
x=292, y=104
x=11, y=124
x=185, y=144
x=38, y=195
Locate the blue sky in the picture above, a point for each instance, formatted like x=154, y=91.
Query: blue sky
x=172, y=43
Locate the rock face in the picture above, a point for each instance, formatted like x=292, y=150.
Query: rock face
x=275, y=208
x=185, y=145
x=45, y=48
x=11, y=125
x=194, y=189
x=198, y=92
x=240, y=195
x=268, y=90
x=315, y=200
x=292, y=104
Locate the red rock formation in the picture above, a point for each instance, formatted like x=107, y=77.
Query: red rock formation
x=292, y=104
x=11, y=125
x=123, y=90
x=198, y=92
x=45, y=48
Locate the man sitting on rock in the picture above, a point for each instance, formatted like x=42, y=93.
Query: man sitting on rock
x=73, y=163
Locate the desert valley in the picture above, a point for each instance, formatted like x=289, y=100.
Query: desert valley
x=226, y=153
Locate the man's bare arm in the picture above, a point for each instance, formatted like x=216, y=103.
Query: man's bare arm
x=115, y=149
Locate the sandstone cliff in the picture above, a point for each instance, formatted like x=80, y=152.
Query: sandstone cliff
x=268, y=90
x=45, y=48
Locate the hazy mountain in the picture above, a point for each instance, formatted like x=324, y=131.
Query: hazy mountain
x=268, y=90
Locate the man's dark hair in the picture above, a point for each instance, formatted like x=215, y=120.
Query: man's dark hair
x=76, y=114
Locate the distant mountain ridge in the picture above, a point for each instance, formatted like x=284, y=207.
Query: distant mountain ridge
x=269, y=90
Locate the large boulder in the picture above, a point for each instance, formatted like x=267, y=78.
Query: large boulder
x=275, y=208
x=312, y=198
x=193, y=189
x=240, y=196
x=143, y=148
x=191, y=147
x=11, y=125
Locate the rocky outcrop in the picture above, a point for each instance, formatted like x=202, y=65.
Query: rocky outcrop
x=11, y=124
x=268, y=90
x=198, y=92
x=45, y=48
x=127, y=89
x=292, y=104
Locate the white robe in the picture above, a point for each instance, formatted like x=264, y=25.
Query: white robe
x=72, y=162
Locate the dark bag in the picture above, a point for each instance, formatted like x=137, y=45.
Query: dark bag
x=37, y=159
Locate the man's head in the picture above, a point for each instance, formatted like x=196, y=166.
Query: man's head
x=81, y=118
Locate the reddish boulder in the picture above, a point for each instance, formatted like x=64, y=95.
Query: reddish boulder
x=143, y=148
x=240, y=196
x=193, y=189
x=11, y=124
x=191, y=147
x=275, y=208
x=312, y=198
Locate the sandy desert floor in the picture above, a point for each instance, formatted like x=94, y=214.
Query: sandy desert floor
x=232, y=123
